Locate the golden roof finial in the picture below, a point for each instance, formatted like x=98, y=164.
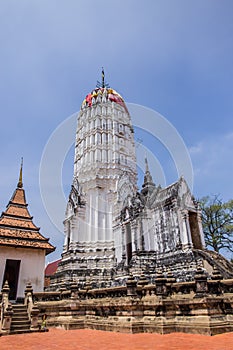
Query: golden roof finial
x=20, y=183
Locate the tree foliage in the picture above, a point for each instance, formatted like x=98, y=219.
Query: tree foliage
x=217, y=220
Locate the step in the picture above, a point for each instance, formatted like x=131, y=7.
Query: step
x=23, y=322
x=16, y=311
x=20, y=318
x=19, y=311
x=20, y=328
x=19, y=307
x=19, y=314
x=20, y=321
x=15, y=328
x=18, y=331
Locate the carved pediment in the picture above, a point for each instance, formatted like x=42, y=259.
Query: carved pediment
x=132, y=207
x=75, y=197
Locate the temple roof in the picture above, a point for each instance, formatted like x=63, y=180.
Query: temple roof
x=51, y=268
x=16, y=226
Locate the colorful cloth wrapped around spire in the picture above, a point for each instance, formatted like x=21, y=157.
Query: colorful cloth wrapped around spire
x=112, y=96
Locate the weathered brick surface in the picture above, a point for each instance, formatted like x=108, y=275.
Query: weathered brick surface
x=58, y=339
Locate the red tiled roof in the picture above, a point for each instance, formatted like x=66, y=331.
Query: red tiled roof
x=18, y=197
x=22, y=234
x=51, y=268
x=17, y=228
x=15, y=221
x=23, y=243
x=17, y=210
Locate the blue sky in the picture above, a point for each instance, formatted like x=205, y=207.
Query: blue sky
x=174, y=57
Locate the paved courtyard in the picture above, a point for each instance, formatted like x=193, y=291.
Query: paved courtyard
x=58, y=339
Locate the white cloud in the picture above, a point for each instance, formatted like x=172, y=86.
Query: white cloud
x=196, y=149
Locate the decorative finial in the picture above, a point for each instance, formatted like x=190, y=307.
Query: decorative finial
x=20, y=183
x=146, y=163
x=103, y=84
x=148, y=185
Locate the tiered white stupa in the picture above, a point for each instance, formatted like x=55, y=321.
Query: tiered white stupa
x=104, y=175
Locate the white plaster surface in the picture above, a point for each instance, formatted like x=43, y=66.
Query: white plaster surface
x=31, y=267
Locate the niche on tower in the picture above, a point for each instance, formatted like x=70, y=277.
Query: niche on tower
x=128, y=243
x=127, y=240
x=195, y=231
x=68, y=235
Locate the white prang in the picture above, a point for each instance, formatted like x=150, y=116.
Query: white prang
x=104, y=175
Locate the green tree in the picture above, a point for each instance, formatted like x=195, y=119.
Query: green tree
x=217, y=220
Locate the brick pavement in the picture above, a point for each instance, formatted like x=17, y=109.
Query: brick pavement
x=58, y=339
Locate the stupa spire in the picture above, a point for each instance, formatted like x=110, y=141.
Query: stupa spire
x=146, y=165
x=147, y=178
x=20, y=182
x=148, y=184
